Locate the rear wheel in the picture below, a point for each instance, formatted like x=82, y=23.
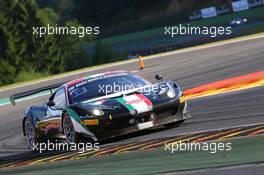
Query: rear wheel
x=68, y=129
x=30, y=135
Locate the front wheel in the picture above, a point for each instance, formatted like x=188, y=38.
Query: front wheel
x=68, y=129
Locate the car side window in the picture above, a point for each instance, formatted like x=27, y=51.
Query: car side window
x=59, y=98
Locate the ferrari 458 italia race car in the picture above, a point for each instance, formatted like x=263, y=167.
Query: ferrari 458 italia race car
x=103, y=106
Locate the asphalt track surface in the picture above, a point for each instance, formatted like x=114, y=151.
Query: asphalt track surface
x=189, y=69
x=256, y=169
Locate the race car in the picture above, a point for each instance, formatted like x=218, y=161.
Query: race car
x=238, y=21
x=103, y=106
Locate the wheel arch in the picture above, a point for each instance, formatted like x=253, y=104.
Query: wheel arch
x=78, y=125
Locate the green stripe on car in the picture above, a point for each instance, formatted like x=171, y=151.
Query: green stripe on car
x=124, y=102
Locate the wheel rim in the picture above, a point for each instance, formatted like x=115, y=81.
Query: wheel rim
x=68, y=129
x=30, y=135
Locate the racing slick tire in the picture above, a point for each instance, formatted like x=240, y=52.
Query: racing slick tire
x=30, y=135
x=68, y=130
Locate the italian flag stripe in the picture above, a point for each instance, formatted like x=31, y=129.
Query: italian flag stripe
x=136, y=102
x=146, y=100
x=123, y=101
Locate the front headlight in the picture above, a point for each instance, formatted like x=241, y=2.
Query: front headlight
x=171, y=93
x=97, y=112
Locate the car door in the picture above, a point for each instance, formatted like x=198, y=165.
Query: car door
x=52, y=122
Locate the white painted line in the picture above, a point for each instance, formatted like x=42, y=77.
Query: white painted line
x=3, y=104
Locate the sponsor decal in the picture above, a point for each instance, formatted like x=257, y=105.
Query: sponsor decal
x=240, y=5
x=91, y=122
x=137, y=102
x=209, y=12
x=255, y=3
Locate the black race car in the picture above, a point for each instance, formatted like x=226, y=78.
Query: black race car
x=103, y=106
x=238, y=21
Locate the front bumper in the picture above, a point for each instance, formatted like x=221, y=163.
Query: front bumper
x=159, y=116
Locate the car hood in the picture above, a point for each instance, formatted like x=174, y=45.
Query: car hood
x=148, y=95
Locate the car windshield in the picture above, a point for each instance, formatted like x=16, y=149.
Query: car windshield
x=104, y=85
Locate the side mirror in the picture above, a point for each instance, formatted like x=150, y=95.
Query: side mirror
x=50, y=103
x=158, y=77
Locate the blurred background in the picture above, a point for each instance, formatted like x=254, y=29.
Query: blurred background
x=127, y=28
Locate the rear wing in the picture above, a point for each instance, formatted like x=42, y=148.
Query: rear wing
x=25, y=94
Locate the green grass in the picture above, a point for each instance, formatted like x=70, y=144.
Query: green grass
x=257, y=29
x=247, y=150
x=249, y=14
x=29, y=75
x=148, y=35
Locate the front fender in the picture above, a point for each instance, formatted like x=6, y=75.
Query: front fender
x=78, y=125
x=29, y=115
